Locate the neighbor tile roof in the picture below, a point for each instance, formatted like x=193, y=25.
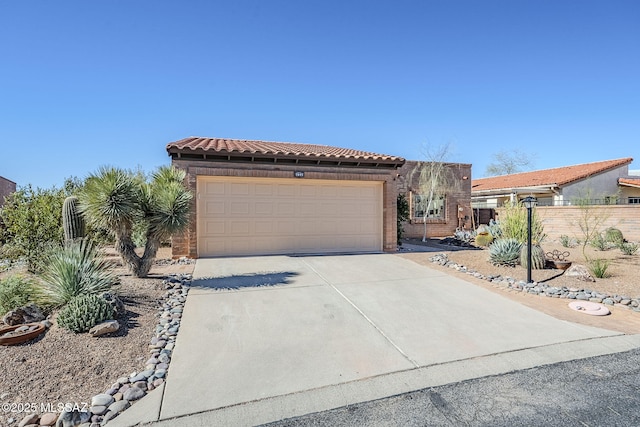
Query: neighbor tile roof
x=630, y=181
x=556, y=177
x=268, y=148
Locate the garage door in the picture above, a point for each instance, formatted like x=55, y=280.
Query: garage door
x=254, y=216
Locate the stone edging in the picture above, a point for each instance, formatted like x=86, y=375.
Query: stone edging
x=542, y=289
x=128, y=389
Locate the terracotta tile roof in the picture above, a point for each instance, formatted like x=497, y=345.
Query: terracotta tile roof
x=631, y=181
x=268, y=148
x=556, y=177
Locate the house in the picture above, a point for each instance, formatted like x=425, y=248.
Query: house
x=605, y=182
x=447, y=212
x=261, y=197
x=6, y=188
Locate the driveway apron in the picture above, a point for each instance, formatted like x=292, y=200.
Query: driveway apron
x=257, y=328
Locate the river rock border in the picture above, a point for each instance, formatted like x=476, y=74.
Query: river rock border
x=542, y=289
x=130, y=388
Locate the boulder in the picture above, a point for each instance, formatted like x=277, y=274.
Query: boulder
x=27, y=314
x=580, y=272
x=103, y=328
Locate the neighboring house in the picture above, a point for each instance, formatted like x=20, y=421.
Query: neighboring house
x=6, y=188
x=447, y=213
x=605, y=182
x=259, y=197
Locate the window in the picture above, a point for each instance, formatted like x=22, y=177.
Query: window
x=419, y=205
x=634, y=200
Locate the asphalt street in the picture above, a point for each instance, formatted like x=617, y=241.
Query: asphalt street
x=598, y=391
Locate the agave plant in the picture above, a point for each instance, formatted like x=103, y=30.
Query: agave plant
x=505, y=252
x=76, y=269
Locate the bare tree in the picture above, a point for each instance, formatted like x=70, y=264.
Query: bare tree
x=506, y=162
x=436, y=178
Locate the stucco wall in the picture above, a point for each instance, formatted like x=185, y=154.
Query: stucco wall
x=596, y=187
x=6, y=187
x=458, y=202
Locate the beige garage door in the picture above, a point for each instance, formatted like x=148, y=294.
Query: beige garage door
x=253, y=216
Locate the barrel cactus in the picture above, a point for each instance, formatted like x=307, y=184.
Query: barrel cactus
x=505, y=252
x=484, y=239
x=72, y=220
x=538, y=259
x=613, y=235
x=84, y=312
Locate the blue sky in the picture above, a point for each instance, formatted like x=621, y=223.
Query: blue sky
x=91, y=83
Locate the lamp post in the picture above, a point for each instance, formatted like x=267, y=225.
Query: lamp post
x=529, y=202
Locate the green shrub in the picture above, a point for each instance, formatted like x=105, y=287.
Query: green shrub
x=599, y=242
x=538, y=259
x=483, y=239
x=598, y=267
x=568, y=242
x=17, y=291
x=402, y=208
x=77, y=269
x=513, y=223
x=505, y=252
x=614, y=236
x=84, y=312
x=628, y=248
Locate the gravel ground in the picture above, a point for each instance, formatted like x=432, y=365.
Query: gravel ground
x=60, y=367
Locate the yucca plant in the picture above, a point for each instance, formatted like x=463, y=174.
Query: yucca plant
x=84, y=312
x=505, y=252
x=599, y=267
x=76, y=269
x=628, y=248
x=123, y=202
x=538, y=259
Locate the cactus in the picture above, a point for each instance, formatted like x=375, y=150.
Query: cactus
x=84, y=312
x=505, y=252
x=72, y=220
x=538, y=259
x=483, y=239
x=613, y=235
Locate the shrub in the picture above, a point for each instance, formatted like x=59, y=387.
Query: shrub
x=17, y=291
x=614, y=236
x=505, y=252
x=599, y=242
x=77, y=269
x=84, y=312
x=538, y=259
x=628, y=248
x=403, y=215
x=598, y=267
x=568, y=242
x=513, y=223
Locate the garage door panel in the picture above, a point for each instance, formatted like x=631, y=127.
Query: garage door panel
x=249, y=216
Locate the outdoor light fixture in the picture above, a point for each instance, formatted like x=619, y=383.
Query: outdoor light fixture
x=529, y=202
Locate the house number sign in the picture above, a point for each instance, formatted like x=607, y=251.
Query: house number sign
x=298, y=174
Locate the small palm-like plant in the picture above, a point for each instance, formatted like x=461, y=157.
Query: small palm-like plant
x=76, y=269
x=123, y=201
x=505, y=252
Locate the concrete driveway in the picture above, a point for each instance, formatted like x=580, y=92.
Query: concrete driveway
x=269, y=338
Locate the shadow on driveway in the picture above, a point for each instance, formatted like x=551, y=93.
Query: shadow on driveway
x=254, y=280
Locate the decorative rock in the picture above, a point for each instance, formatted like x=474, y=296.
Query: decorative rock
x=29, y=419
x=158, y=382
x=98, y=410
x=48, y=419
x=134, y=393
x=72, y=418
x=102, y=400
x=103, y=328
x=117, y=397
x=608, y=301
x=141, y=384
x=119, y=406
x=28, y=314
x=580, y=272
